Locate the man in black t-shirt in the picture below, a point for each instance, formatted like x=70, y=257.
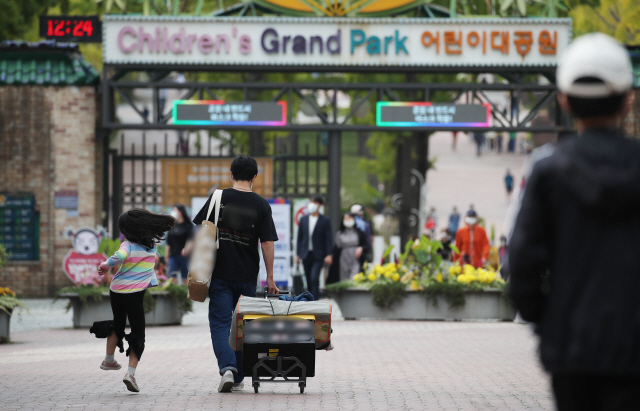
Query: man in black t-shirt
x=245, y=219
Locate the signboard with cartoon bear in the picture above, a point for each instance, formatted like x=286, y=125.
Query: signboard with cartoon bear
x=83, y=260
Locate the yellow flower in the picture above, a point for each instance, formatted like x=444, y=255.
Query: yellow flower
x=439, y=277
x=372, y=277
x=415, y=285
x=395, y=278
x=456, y=269
x=358, y=277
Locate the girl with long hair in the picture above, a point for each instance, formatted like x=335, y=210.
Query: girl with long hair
x=136, y=257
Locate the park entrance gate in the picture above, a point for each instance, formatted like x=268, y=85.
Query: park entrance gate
x=306, y=153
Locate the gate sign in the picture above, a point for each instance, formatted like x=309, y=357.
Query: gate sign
x=426, y=114
x=218, y=112
x=334, y=42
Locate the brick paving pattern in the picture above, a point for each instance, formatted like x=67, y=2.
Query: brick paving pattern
x=376, y=365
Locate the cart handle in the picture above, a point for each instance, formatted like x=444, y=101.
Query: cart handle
x=267, y=294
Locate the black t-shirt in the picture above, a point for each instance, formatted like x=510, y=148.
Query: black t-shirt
x=244, y=218
x=177, y=237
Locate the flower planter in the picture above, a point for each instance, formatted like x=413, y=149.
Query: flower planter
x=5, y=320
x=165, y=312
x=479, y=305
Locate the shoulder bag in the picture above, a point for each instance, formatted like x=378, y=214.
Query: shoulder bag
x=203, y=258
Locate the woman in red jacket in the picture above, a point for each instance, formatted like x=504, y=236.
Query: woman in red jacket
x=472, y=241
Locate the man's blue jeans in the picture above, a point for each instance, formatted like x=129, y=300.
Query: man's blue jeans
x=223, y=298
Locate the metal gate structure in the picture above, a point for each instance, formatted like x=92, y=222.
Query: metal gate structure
x=127, y=154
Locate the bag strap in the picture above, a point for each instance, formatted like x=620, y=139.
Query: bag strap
x=216, y=199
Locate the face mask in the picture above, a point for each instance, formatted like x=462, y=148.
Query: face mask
x=312, y=207
x=470, y=220
x=349, y=223
x=174, y=214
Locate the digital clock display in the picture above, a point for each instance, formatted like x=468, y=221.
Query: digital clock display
x=71, y=28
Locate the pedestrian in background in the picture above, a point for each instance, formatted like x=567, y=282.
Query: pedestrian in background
x=479, y=138
x=508, y=183
x=446, y=251
x=454, y=222
x=350, y=249
x=502, y=250
x=136, y=258
x=472, y=242
x=580, y=208
x=432, y=222
x=178, y=265
x=314, y=244
x=357, y=211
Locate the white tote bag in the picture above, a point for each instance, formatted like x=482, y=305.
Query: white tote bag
x=203, y=257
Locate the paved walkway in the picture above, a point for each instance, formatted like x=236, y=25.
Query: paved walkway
x=461, y=178
x=377, y=365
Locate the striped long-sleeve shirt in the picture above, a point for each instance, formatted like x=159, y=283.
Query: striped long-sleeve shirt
x=136, y=272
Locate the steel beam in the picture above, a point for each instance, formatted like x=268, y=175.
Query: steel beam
x=335, y=173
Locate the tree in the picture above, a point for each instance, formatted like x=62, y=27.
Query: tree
x=618, y=18
x=18, y=17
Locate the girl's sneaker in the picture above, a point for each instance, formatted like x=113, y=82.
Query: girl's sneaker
x=108, y=366
x=130, y=382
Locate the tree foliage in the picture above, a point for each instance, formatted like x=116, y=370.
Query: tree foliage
x=618, y=18
x=18, y=17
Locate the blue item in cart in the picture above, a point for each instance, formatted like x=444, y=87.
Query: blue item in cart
x=305, y=296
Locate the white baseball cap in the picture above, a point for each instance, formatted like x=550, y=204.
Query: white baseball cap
x=598, y=56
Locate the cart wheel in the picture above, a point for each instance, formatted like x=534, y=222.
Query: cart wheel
x=301, y=385
x=255, y=387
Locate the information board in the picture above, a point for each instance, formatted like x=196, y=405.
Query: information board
x=18, y=226
x=281, y=213
x=218, y=112
x=184, y=179
x=427, y=114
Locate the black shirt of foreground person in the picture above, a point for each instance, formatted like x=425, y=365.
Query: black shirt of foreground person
x=245, y=218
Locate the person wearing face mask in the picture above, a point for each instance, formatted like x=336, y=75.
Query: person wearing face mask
x=472, y=242
x=314, y=244
x=176, y=240
x=349, y=251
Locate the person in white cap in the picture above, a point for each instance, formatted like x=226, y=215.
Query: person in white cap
x=573, y=255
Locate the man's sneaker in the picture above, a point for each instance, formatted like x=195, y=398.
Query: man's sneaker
x=226, y=383
x=108, y=366
x=239, y=386
x=130, y=382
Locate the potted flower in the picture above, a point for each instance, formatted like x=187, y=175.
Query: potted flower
x=8, y=303
x=163, y=305
x=420, y=286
